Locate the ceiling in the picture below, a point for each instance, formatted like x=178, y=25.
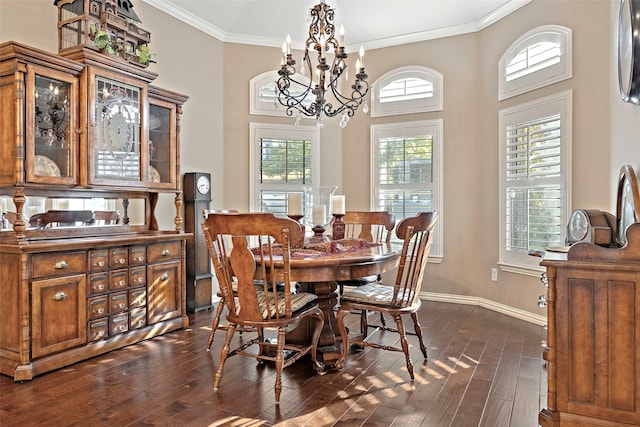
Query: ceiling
x=366, y=22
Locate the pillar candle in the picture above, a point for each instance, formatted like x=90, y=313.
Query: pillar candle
x=338, y=205
x=319, y=214
x=294, y=203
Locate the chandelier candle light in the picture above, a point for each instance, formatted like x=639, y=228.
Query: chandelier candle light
x=309, y=96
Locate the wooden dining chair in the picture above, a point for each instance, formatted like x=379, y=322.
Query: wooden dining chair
x=377, y=227
x=215, y=323
x=106, y=217
x=400, y=298
x=255, y=249
x=374, y=227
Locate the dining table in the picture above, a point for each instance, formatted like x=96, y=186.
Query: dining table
x=318, y=273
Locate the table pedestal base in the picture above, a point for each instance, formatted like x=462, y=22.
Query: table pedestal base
x=329, y=344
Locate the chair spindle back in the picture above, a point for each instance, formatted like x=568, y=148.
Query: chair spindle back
x=416, y=235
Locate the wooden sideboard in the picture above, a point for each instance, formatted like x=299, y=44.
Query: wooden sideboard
x=593, y=336
x=84, y=133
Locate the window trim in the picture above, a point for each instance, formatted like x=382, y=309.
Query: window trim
x=558, y=103
x=563, y=70
x=282, y=131
x=414, y=128
x=421, y=105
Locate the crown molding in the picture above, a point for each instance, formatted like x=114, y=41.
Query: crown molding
x=225, y=37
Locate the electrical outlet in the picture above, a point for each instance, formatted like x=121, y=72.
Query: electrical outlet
x=494, y=274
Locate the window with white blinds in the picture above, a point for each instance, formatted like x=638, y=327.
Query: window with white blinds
x=404, y=90
x=538, y=58
x=534, y=175
x=408, y=173
x=283, y=159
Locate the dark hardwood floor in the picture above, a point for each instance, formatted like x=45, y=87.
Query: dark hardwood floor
x=484, y=369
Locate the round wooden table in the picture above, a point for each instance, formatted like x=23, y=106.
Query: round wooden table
x=318, y=275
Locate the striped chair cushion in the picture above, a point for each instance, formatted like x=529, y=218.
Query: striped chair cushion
x=374, y=293
x=298, y=301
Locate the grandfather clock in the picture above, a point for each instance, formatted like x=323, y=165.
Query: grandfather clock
x=197, y=196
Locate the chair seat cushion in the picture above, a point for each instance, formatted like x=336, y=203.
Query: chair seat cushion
x=298, y=301
x=374, y=293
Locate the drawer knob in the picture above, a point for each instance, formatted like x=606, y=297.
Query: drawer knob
x=100, y=286
x=60, y=265
x=164, y=277
x=544, y=279
x=165, y=252
x=542, y=301
x=60, y=296
x=100, y=263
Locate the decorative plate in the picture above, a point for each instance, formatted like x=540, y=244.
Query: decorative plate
x=44, y=166
x=154, y=175
x=154, y=122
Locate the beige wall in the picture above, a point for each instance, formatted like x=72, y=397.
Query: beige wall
x=215, y=126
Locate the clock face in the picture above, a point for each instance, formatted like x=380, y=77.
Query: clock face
x=578, y=225
x=203, y=185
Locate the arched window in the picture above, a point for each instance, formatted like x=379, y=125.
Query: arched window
x=539, y=58
x=407, y=90
x=263, y=95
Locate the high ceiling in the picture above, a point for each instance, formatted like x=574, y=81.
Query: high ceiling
x=371, y=23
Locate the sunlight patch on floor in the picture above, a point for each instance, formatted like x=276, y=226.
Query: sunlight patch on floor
x=459, y=362
x=445, y=367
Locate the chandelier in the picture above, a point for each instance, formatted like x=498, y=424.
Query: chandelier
x=309, y=96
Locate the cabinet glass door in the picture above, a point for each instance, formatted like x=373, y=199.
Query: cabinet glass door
x=51, y=126
x=162, y=118
x=116, y=155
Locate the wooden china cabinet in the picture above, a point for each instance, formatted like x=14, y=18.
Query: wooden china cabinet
x=593, y=335
x=88, y=147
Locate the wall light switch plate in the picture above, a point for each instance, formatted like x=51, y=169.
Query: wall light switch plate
x=494, y=274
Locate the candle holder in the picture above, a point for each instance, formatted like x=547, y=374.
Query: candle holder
x=296, y=217
x=318, y=235
x=338, y=227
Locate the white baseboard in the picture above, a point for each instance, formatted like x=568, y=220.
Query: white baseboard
x=491, y=305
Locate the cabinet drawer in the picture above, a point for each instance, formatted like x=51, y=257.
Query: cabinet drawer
x=98, y=283
x=137, y=297
x=118, y=324
x=57, y=263
x=98, y=260
x=98, y=329
x=137, y=255
x=138, y=318
x=118, y=257
x=97, y=306
x=165, y=251
x=137, y=276
x=118, y=279
x=118, y=302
